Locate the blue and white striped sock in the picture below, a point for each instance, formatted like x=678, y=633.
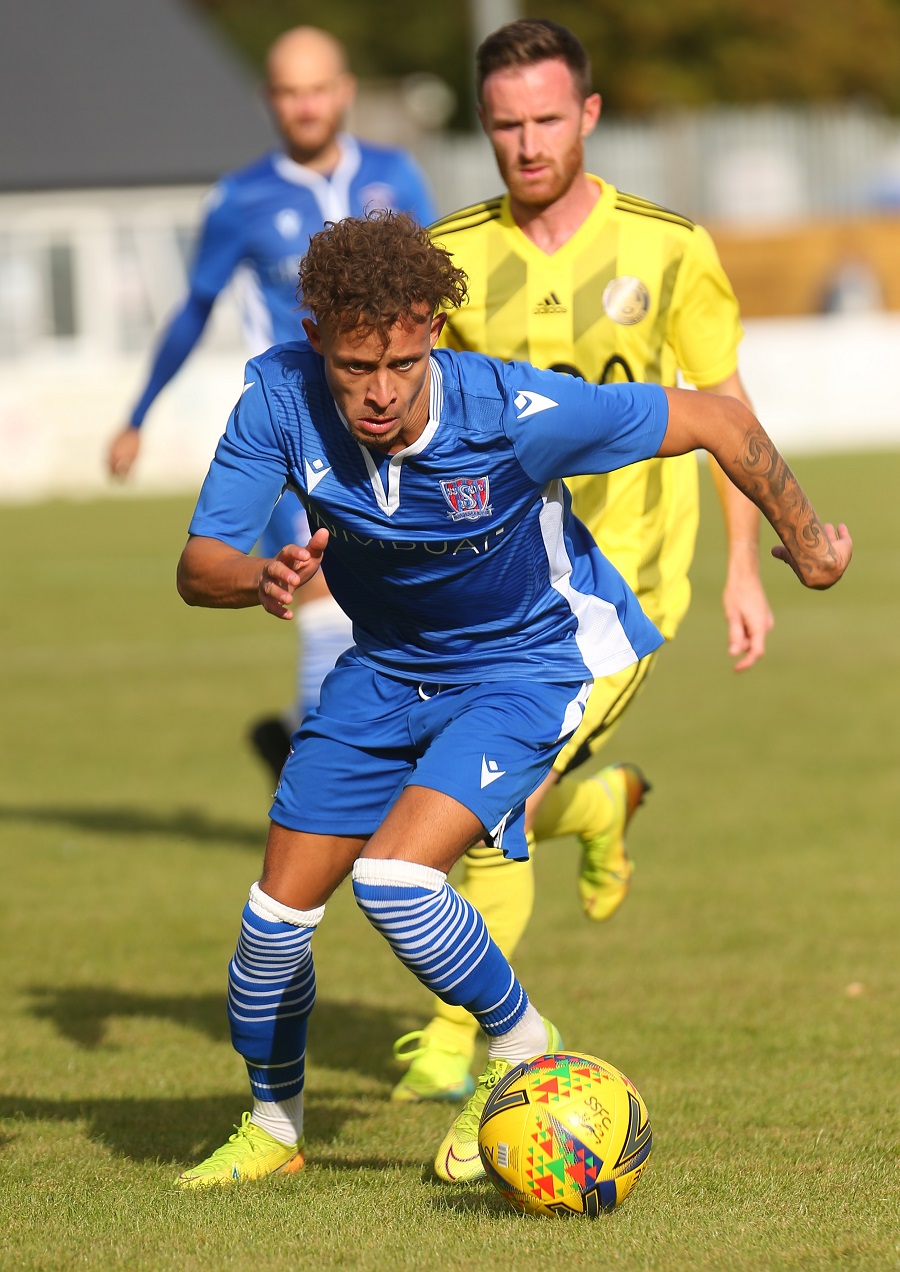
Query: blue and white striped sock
x=441, y=938
x=271, y=991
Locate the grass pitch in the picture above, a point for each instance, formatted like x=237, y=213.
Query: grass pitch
x=749, y=987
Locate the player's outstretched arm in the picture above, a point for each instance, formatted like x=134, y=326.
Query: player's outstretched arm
x=816, y=552
x=748, y=615
x=176, y=343
x=215, y=575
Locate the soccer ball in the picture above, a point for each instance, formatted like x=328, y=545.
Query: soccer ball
x=564, y=1134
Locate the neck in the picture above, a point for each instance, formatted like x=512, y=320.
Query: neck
x=551, y=227
x=324, y=161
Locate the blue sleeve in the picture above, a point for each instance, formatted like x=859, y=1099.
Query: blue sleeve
x=218, y=251
x=413, y=193
x=177, y=341
x=221, y=246
x=561, y=426
x=248, y=472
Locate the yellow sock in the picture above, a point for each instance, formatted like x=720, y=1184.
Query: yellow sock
x=574, y=806
x=503, y=893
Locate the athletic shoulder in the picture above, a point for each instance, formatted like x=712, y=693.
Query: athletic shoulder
x=473, y=373
x=384, y=155
x=470, y=218
x=287, y=364
x=236, y=186
x=633, y=205
x=495, y=392
x=479, y=385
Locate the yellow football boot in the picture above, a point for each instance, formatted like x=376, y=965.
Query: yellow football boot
x=606, y=868
x=458, y=1158
x=250, y=1153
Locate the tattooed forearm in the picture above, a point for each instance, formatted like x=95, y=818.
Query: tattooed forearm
x=817, y=552
x=764, y=477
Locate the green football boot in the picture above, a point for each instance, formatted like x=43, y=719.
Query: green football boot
x=458, y=1158
x=250, y=1153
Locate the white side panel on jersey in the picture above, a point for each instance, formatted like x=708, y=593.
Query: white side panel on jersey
x=600, y=636
x=256, y=321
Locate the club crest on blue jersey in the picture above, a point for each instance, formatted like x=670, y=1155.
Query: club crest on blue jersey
x=288, y=223
x=468, y=498
x=378, y=195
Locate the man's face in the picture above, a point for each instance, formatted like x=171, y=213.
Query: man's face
x=381, y=389
x=309, y=93
x=536, y=122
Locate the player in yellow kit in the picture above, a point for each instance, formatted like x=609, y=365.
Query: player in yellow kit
x=569, y=273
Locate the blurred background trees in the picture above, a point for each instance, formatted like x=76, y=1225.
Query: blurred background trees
x=648, y=55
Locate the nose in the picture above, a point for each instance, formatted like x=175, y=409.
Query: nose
x=528, y=141
x=380, y=390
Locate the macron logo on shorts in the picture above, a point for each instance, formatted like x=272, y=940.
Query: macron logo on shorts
x=490, y=771
x=528, y=403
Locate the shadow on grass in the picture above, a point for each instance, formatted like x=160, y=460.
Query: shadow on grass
x=187, y=1130
x=184, y=823
x=343, y=1035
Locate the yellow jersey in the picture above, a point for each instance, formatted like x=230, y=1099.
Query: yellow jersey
x=636, y=293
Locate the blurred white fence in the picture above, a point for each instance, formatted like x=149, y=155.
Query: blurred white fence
x=88, y=277
x=818, y=384
x=758, y=166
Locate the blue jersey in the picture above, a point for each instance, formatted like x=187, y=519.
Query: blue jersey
x=260, y=219
x=258, y=224
x=457, y=559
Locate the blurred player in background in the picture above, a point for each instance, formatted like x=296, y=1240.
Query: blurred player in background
x=568, y=273
x=258, y=224
x=481, y=610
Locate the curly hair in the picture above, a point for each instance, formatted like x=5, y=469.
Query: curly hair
x=373, y=271
x=530, y=40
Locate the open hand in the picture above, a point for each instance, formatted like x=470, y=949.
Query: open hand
x=123, y=451
x=283, y=574
x=749, y=618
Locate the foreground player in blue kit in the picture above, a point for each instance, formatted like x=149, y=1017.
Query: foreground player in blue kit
x=481, y=612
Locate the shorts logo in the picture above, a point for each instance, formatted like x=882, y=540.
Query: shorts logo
x=490, y=771
x=468, y=498
x=626, y=300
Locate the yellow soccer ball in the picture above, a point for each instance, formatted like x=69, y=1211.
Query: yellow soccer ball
x=565, y=1134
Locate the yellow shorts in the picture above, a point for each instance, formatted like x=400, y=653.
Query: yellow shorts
x=610, y=697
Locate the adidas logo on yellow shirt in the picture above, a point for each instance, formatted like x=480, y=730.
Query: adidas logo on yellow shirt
x=551, y=304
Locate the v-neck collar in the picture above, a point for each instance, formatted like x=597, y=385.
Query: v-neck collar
x=388, y=500
x=332, y=192
x=599, y=213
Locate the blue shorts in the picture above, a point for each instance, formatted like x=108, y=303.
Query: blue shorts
x=487, y=745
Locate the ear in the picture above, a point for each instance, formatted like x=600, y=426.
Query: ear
x=313, y=335
x=348, y=89
x=437, y=326
x=590, y=113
